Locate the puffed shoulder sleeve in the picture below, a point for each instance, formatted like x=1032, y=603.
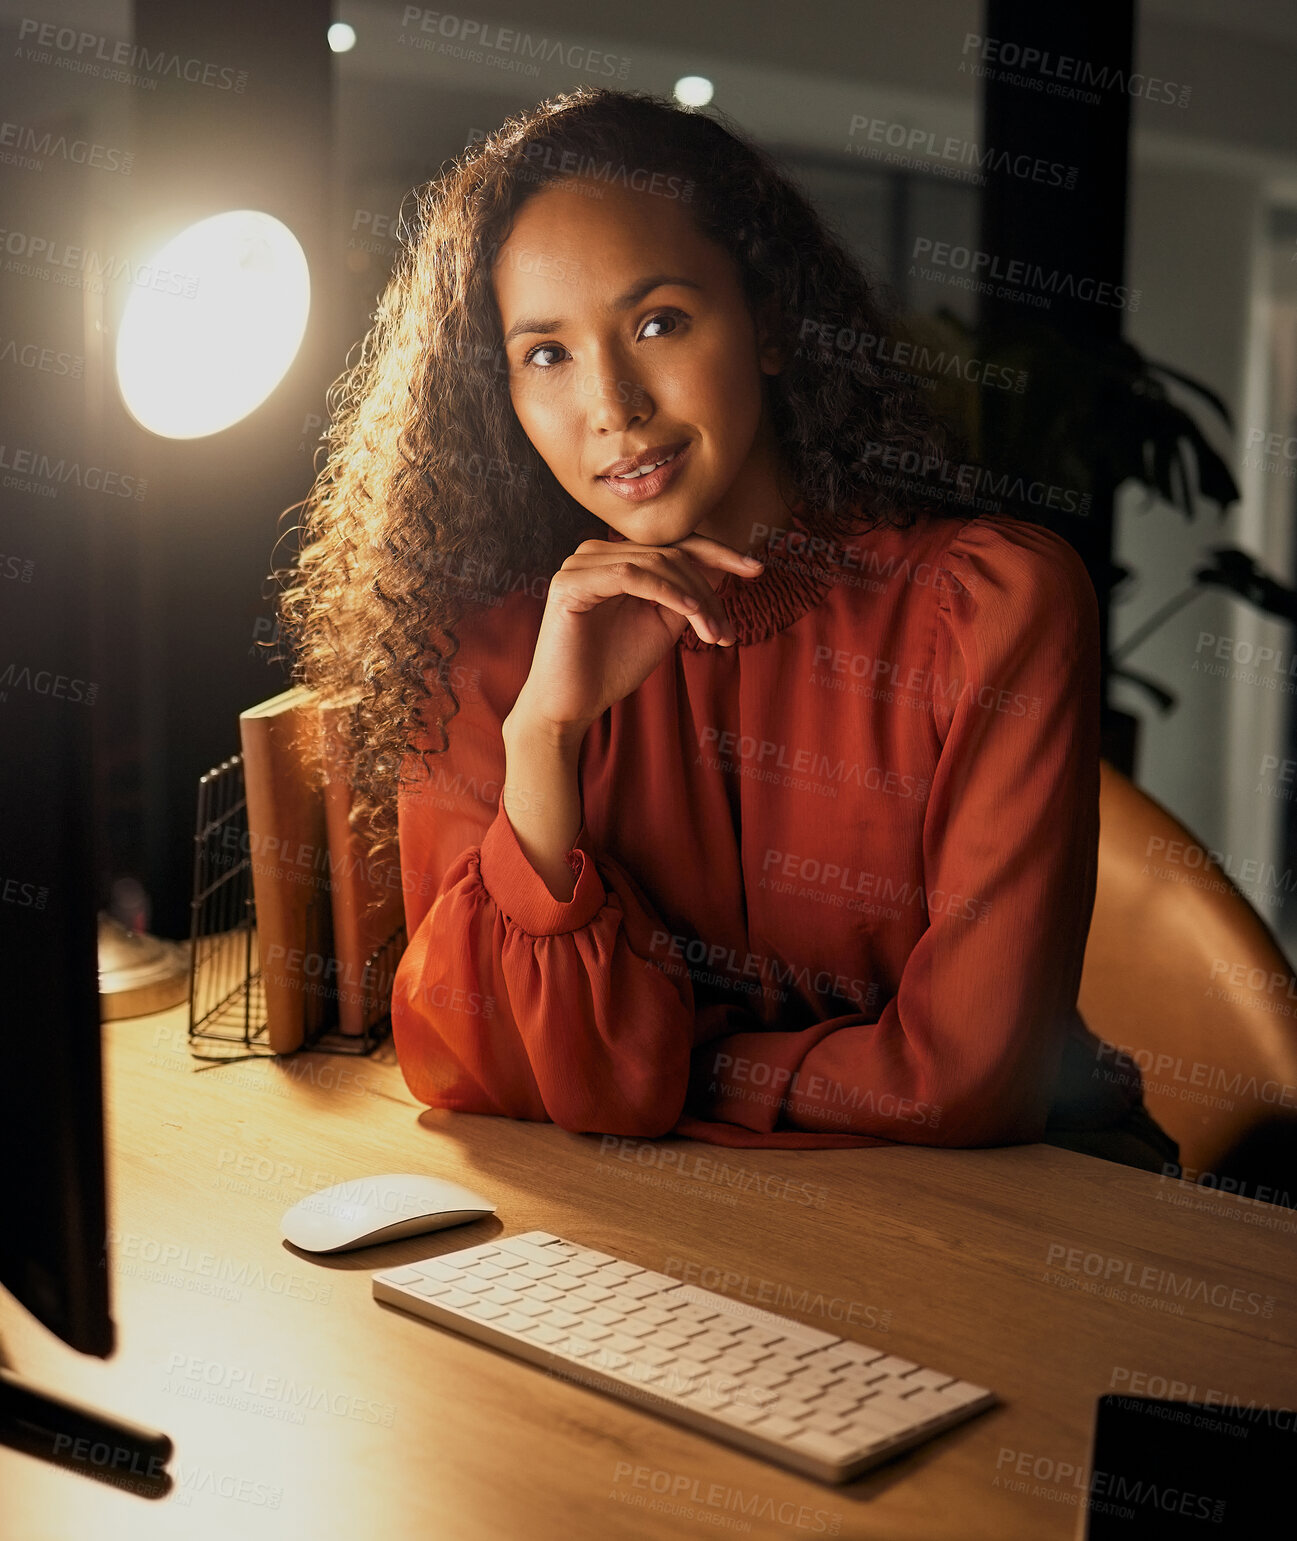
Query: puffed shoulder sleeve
x=507, y=1000
x=976, y=1028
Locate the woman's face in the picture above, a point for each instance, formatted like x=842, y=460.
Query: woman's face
x=626, y=331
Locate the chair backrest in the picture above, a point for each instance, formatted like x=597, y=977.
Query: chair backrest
x=1183, y=975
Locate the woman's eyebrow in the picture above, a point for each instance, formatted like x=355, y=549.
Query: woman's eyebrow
x=636, y=292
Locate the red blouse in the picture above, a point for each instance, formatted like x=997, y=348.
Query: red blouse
x=833, y=883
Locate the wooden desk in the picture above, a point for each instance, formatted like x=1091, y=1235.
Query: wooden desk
x=300, y=1407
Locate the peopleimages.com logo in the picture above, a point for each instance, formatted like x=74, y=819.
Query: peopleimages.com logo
x=1063, y=75
x=1036, y=284
x=920, y=148
x=115, y=59
x=464, y=37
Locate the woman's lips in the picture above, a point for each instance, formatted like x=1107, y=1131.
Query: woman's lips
x=638, y=489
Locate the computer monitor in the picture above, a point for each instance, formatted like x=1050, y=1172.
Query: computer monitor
x=51, y=1101
x=54, y=1210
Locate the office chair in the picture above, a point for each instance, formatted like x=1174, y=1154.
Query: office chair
x=1182, y=973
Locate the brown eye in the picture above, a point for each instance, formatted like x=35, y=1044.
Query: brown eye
x=667, y=315
x=541, y=347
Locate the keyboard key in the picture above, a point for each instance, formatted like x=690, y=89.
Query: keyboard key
x=659, y=1281
x=649, y=1353
x=557, y=1318
x=740, y=1412
x=402, y=1276
x=762, y=1335
x=824, y=1379
x=960, y=1393
x=854, y=1353
x=521, y=1247
x=824, y=1423
x=431, y=1288
x=779, y=1428
x=927, y=1403
x=649, y=1375
x=889, y=1364
x=637, y=1288
x=446, y=1271
x=929, y=1378
x=827, y=1447
x=699, y=1354
x=485, y=1309
x=898, y=1409
x=473, y=1255
x=705, y=1395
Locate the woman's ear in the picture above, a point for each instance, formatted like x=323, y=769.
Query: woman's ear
x=770, y=353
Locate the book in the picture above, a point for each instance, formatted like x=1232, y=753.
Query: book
x=288, y=845
x=367, y=902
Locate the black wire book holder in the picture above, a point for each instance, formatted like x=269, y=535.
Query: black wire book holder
x=227, y=1003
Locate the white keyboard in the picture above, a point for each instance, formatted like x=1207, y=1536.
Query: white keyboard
x=825, y=1406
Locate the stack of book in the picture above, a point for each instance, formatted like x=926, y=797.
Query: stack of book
x=324, y=907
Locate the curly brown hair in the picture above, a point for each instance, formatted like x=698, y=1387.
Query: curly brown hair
x=429, y=476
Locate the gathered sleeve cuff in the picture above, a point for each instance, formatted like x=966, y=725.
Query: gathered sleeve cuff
x=522, y=894
x=510, y=1002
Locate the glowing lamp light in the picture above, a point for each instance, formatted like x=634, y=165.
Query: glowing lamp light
x=213, y=324
x=342, y=38
x=693, y=90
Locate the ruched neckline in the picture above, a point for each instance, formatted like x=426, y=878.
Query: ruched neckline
x=792, y=582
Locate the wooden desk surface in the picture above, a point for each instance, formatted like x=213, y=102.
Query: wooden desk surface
x=301, y=1407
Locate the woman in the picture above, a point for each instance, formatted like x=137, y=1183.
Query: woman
x=797, y=851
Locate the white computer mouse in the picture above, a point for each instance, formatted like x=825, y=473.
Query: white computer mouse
x=367, y=1210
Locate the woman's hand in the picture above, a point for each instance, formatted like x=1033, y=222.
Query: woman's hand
x=614, y=611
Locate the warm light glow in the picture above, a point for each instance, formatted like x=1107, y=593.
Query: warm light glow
x=342, y=38
x=693, y=91
x=213, y=324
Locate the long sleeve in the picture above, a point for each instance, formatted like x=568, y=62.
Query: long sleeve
x=508, y=1001
x=967, y=1050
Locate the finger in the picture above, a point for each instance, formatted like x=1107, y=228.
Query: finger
x=704, y=548
x=584, y=588
x=676, y=566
